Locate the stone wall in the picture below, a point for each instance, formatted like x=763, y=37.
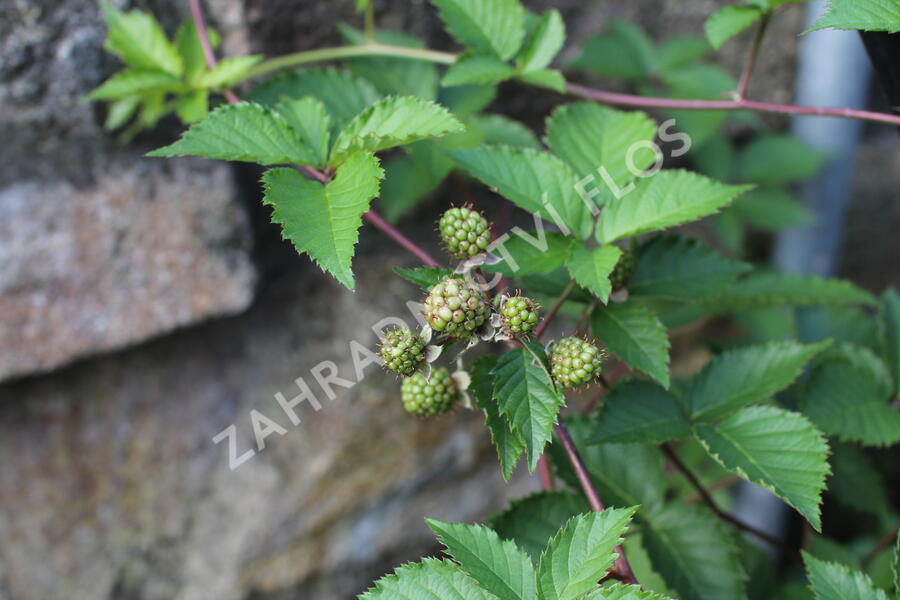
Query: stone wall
x=147, y=305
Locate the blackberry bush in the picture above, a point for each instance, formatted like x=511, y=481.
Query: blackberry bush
x=429, y=397
x=574, y=362
x=456, y=307
x=464, y=231
x=402, y=351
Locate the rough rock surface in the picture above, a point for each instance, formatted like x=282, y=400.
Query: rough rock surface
x=122, y=493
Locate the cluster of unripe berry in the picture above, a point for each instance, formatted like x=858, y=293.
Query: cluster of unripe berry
x=456, y=307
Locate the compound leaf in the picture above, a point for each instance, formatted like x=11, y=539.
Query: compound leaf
x=591, y=268
x=497, y=26
x=534, y=519
x=508, y=441
x=138, y=39
x=635, y=334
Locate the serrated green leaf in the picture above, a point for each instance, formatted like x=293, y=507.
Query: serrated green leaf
x=591, y=268
x=697, y=81
x=497, y=26
x=856, y=483
x=427, y=580
x=830, y=581
x=543, y=42
x=344, y=94
x=528, y=398
x=620, y=591
x=772, y=159
x=590, y=137
x=867, y=15
x=394, y=121
x=193, y=107
x=398, y=76
x=751, y=443
x=424, y=277
x=521, y=256
x=187, y=42
x=228, y=71
x=663, y=200
x=694, y=552
x=499, y=566
x=324, y=221
x=508, y=441
x=729, y=21
x=625, y=474
x=465, y=100
x=581, y=553
x=119, y=111
x=139, y=40
x=310, y=122
x=639, y=412
x=531, y=521
x=890, y=323
x=634, y=333
x=849, y=395
x=535, y=181
x=131, y=82
x=623, y=51
x=752, y=374
x=772, y=208
x=551, y=79
x=477, y=68
x=244, y=132
x=681, y=268
x=406, y=183
x=497, y=129
x=765, y=289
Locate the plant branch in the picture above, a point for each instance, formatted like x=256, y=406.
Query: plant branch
x=711, y=503
x=751, y=58
x=208, y=54
x=370, y=22
x=375, y=219
x=545, y=473
x=555, y=308
x=590, y=491
x=885, y=541
x=631, y=100
x=324, y=54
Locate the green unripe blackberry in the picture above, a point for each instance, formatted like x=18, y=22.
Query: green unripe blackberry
x=518, y=314
x=456, y=307
x=402, y=351
x=623, y=270
x=433, y=396
x=464, y=232
x=574, y=362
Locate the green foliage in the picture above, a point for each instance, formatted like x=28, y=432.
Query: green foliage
x=751, y=442
x=527, y=397
x=591, y=268
x=831, y=581
x=497, y=27
x=509, y=442
x=500, y=567
x=765, y=289
x=752, y=374
x=477, y=68
x=693, y=552
x=773, y=159
x=523, y=257
x=588, y=137
x=427, y=580
x=664, y=200
x=311, y=123
x=890, y=321
x=623, y=592
x=867, y=15
x=137, y=38
x=244, y=132
x=424, y=277
x=581, y=553
x=323, y=220
x=393, y=121
x=635, y=334
x=680, y=268
x=624, y=51
x=640, y=411
x=535, y=181
x=856, y=483
x=543, y=42
x=533, y=520
x=729, y=21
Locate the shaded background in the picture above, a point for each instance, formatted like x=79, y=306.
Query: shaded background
x=145, y=305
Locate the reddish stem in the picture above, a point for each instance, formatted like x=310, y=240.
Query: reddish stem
x=554, y=309
x=751, y=58
x=376, y=220
x=590, y=491
x=632, y=100
x=545, y=473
